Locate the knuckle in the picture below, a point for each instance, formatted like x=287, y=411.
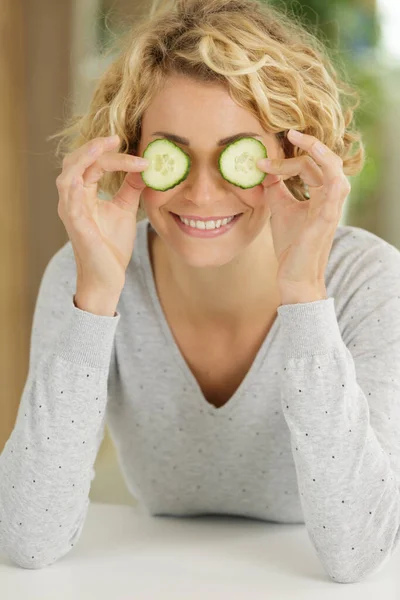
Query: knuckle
x=346, y=186
x=131, y=185
x=128, y=159
x=309, y=163
x=95, y=145
x=65, y=161
x=61, y=182
x=95, y=172
x=118, y=198
x=62, y=211
x=74, y=212
x=98, y=171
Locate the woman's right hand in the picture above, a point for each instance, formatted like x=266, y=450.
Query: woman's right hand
x=102, y=232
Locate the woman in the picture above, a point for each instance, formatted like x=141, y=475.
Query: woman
x=253, y=369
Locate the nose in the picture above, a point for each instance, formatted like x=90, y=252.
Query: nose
x=205, y=185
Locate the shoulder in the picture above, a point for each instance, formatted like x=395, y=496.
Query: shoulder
x=363, y=268
x=362, y=249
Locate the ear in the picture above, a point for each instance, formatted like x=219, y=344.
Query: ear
x=280, y=141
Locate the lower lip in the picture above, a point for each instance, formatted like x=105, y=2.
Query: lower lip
x=206, y=233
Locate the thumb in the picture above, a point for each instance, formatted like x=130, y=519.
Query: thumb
x=128, y=196
x=278, y=196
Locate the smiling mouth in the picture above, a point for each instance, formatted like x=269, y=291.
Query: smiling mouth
x=194, y=218
x=201, y=228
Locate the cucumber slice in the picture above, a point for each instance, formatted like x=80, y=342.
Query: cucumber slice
x=238, y=162
x=169, y=165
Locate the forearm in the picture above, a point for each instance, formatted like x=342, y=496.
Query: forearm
x=347, y=485
x=348, y=492
x=97, y=303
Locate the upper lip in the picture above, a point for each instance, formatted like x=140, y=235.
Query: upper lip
x=194, y=218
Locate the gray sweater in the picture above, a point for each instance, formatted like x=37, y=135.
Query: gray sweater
x=312, y=435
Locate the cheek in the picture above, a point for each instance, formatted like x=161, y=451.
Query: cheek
x=154, y=200
x=255, y=197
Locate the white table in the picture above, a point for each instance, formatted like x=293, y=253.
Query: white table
x=123, y=554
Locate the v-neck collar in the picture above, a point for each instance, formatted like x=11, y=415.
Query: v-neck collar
x=236, y=400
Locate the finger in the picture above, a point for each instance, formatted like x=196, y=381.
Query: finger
x=75, y=163
x=278, y=196
x=270, y=180
x=128, y=195
x=78, y=161
x=304, y=166
x=83, y=190
x=112, y=161
x=331, y=164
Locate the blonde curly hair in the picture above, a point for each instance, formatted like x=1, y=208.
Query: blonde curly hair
x=270, y=64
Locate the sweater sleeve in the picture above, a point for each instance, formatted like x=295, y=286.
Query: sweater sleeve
x=46, y=466
x=341, y=401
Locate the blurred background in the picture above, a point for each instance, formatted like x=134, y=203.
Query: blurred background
x=52, y=54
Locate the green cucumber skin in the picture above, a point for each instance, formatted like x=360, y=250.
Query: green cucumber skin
x=185, y=174
x=265, y=155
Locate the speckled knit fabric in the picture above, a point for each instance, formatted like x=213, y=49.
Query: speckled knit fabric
x=312, y=435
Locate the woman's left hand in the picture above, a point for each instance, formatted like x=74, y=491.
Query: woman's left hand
x=303, y=231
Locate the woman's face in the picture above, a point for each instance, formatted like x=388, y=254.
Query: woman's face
x=204, y=114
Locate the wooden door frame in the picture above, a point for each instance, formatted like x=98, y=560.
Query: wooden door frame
x=35, y=74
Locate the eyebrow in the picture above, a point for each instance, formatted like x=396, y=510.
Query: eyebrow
x=186, y=142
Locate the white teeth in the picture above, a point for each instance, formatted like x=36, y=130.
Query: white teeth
x=206, y=224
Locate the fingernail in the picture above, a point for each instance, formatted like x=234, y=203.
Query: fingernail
x=265, y=163
x=319, y=148
x=142, y=162
x=296, y=135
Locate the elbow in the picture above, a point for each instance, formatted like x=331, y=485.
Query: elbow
x=340, y=577
x=41, y=550
x=29, y=564
x=30, y=559
x=355, y=572
x=28, y=556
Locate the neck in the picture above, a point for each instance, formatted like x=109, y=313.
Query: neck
x=232, y=294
